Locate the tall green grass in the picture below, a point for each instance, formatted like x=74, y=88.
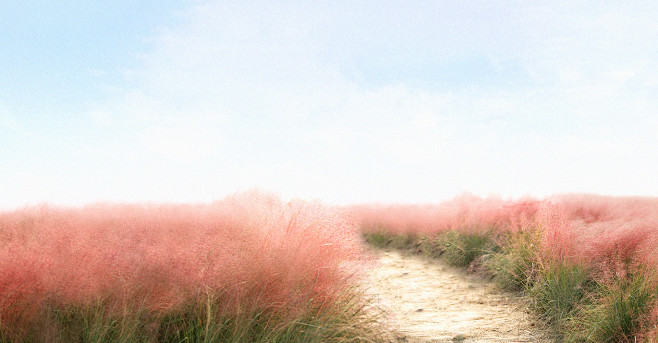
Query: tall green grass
x=620, y=311
x=558, y=292
x=384, y=240
x=345, y=320
x=515, y=265
x=461, y=249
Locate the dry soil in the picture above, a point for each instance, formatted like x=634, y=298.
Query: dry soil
x=428, y=301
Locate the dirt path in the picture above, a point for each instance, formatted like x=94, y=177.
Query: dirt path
x=427, y=301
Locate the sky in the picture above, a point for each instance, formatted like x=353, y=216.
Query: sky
x=341, y=101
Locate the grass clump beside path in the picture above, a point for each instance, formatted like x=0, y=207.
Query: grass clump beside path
x=462, y=249
x=620, y=311
x=456, y=248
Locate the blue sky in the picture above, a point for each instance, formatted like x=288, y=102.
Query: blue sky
x=344, y=101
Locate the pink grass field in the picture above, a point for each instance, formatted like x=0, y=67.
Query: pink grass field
x=251, y=249
x=465, y=212
x=605, y=232
x=257, y=252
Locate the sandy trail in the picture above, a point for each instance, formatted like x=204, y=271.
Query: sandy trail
x=427, y=301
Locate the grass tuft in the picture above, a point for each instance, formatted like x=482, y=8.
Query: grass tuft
x=462, y=249
x=621, y=312
x=560, y=291
x=378, y=239
x=384, y=240
x=430, y=247
x=515, y=265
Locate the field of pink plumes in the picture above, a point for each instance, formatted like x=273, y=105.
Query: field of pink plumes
x=466, y=212
x=250, y=249
x=593, y=228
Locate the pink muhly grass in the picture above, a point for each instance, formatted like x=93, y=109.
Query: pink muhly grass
x=518, y=216
x=251, y=250
x=600, y=231
x=614, y=234
x=652, y=333
x=466, y=213
x=619, y=250
x=406, y=219
x=557, y=235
